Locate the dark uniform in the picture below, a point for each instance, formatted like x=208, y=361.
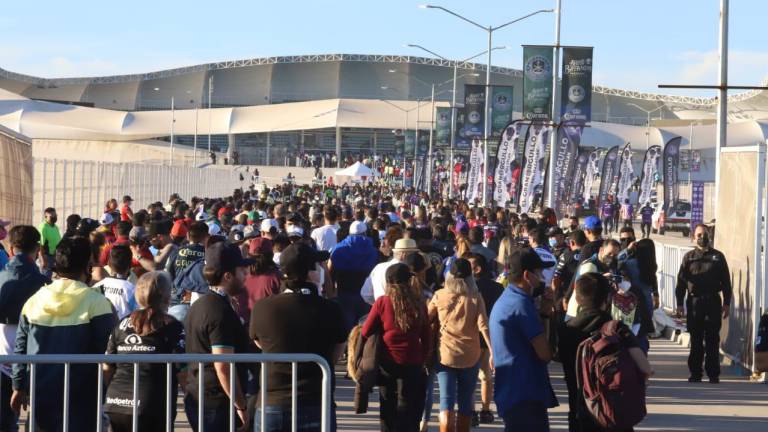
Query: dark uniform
x=703, y=275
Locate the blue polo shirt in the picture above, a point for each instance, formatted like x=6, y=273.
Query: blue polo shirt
x=520, y=375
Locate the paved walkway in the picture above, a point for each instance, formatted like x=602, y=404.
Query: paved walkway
x=734, y=405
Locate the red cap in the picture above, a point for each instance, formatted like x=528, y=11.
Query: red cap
x=179, y=229
x=260, y=246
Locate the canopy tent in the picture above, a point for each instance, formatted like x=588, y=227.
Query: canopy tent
x=356, y=170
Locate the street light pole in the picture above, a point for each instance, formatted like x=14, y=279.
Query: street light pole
x=210, y=93
x=173, y=120
x=429, y=155
x=647, y=122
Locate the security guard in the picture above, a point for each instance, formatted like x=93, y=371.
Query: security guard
x=703, y=276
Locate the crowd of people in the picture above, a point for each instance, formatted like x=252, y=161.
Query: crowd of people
x=443, y=292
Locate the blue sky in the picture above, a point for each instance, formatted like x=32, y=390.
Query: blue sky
x=638, y=44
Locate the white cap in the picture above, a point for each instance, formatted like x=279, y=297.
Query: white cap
x=201, y=216
x=214, y=229
x=106, y=219
x=294, y=231
x=358, y=227
x=268, y=224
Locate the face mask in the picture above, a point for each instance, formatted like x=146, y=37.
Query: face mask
x=703, y=241
x=624, y=286
x=538, y=290
x=552, y=243
x=625, y=242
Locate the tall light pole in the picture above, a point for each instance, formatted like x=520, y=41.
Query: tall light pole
x=555, y=112
x=173, y=120
x=453, y=102
x=210, y=93
x=489, y=29
x=722, y=97
x=647, y=122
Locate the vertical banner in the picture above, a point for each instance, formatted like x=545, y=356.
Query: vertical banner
x=505, y=154
x=423, y=145
x=443, y=127
x=474, y=110
x=455, y=177
x=474, y=176
x=462, y=141
x=399, y=143
x=410, y=143
x=649, y=175
x=565, y=154
x=576, y=97
x=685, y=160
x=591, y=174
x=697, y=203
x=696, y=161
x=626, y=174
x=501, y=109
x=537, y=82
x=576, y=187
x=532, y=180
x=671, y=163
x=610, y=170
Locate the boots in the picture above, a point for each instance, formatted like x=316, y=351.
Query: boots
x=463, y=422
x=447, y=421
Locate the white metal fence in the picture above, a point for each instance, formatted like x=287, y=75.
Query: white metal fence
x=96, y=360
x=668, y=259
x=83, y=187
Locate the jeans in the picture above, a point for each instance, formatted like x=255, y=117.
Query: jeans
x=457, y=386
x=353, y=307
x=429, y=396
x=214, y=419
x=179, y=311
x=608, y=224
x=645, y=228
x=401, y=396
x=526, y=416
x=278, y=418
x=8, y=418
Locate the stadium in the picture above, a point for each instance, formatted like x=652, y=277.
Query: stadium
x=266, y=108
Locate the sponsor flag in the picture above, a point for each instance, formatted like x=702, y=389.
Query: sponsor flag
x=671, y=162
x=626, y=174
x=505, y=154
x=537, y=82
x=696, y=160
x=455, y=175
x=576, y=188
x=591, y=174
x=462, y=141
x=474, y=110
x=501, y=109
x=443, y=127
x=474, y=176
x=565, y=154
x=650, y=174
x=423, y=147
x=609, y=178
x=410, y=143
x=576, y=97
x=697, y=203
x=532, y=180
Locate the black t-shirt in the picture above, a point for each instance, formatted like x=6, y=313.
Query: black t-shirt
x=297, y=323
x=213, y=323
x=168, y=339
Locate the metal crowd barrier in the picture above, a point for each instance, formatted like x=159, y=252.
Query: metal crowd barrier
x=668, y=259
x=169, y=359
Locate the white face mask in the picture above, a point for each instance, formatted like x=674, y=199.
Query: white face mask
x=624, y=286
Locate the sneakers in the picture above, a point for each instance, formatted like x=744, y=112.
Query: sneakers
x=486, y=417
x=714, y=380
x=694, y=379
x=475, y=419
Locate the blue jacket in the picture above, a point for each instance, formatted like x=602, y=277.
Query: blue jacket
x=190, y=279
x=18, y=282
x=352, y=261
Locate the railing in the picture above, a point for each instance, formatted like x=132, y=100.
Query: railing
x=668, y=259
x=169, y=359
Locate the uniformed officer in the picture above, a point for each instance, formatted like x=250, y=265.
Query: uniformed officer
x=703, y=276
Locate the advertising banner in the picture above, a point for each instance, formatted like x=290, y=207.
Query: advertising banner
x=650, y=174
x=455, y=176
x=501, y=109
x=410, y=143
x=671, y=163
x=609, y=178
x=592, y=171
x=626, y=174
x=576, y=95
x=537, y=82
x=534, y=164
x=576, y=188
x=474, y=176
x=685, y=160
x=696, y=160
x=505, y=154
x=443, y=127
x=697, y=203
x=423, y=148
x=474, y=109
x=462, y=141
x=565, y=154
x=399, y=143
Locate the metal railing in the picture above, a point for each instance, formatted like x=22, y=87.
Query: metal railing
x=169, y=359
x=668, y=259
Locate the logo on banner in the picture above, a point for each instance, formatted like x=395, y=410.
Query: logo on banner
x=538, y=68
x=501, y=102
x=576, y=93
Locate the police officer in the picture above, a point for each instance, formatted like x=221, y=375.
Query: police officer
x=703, y=276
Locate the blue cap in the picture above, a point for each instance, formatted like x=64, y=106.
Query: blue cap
x=592, y=222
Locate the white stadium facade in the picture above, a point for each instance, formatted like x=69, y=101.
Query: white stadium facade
x=268, y=107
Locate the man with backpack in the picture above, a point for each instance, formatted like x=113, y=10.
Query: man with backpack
x=592, y=293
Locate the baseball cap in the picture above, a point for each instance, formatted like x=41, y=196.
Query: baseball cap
x=127, y=198
x=225, y=257
x=179, y=229
x=524, y=259
x=137, y=234
x=214, y=229
x=294, y=231
x=358, y=227
x=268, y=224
x=105, y=219
x=260, y=246
x=236, y=236
x=592, y=222
x=250, y=232
x=461, y=268
x=553, y=231
x=201, y=216
x=299, y=258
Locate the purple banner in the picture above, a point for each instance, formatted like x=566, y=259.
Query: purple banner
x=697, y=203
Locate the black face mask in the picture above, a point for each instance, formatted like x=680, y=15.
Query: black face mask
x=538, y=290
x=703, y=241
x=626, y=241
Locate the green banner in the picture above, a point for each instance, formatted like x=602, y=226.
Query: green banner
x=501, y=109
x=410, y=143
x=537, y=82
x=576, y=98
x=443, y=127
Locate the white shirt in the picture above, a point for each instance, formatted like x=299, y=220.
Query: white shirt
x=325, y=237
x=120, y=293
x=7, y=343
x=376, y=284
x=547, y=257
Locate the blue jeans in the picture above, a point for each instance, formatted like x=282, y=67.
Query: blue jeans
x=457, y=386
x=214, y=419
x=429, y=396
x=353, y=307
x=179, y=311
x=278, y=418
x=526, y=416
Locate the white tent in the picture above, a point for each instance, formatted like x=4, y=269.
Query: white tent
x=355, y=171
